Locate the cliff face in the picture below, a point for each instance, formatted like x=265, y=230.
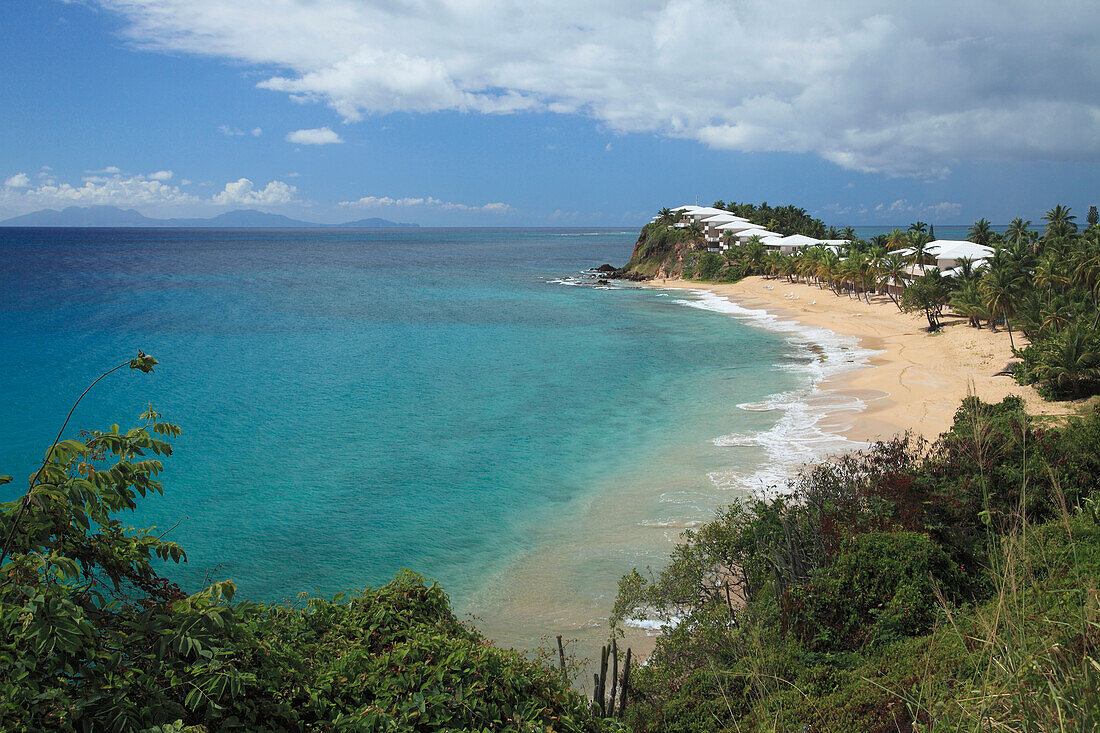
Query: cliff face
x=660, y=252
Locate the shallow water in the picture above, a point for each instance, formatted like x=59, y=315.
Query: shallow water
x=451, y=401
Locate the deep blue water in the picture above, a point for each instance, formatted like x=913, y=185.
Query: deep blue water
x=354, y=402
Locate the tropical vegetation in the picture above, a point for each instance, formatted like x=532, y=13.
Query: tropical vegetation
x=93, y=637
x=950, y=586
x=1043, y=285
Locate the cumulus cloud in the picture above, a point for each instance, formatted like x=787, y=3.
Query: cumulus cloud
x=244, y=192
x=942, y=209
x=20, y=194
x=871, y=85
x=112, y=190
x=313, y=136
x=235, y=132
x=377, y=202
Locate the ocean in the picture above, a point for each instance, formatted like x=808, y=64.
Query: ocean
x=457, y=402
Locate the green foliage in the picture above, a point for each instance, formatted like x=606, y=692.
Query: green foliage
x=927, y=294
x=880, y=587
x=92, y=638
x=784, y=220
x=950, y=586
x=1046, y=285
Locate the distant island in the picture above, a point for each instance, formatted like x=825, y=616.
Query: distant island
x=113, y=216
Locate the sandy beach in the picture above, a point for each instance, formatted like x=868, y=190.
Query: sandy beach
x=918, y=379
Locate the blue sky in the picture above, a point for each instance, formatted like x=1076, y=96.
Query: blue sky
x=502, y=113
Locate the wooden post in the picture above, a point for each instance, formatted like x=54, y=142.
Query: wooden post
x=561, y=654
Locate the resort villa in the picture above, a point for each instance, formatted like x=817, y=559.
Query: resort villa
x=716, y=222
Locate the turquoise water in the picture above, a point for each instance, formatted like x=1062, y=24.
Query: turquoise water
x=356, y=402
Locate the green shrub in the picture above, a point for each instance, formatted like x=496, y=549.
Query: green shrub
x=879, y=588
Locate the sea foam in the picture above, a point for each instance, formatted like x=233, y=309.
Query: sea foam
x=801, y=435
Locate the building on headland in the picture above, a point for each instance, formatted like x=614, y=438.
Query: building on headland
x=949, y=253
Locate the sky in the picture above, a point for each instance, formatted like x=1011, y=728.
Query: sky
x=551, y=112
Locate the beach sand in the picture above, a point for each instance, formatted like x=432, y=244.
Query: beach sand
x=914, y=383
x=918, y=379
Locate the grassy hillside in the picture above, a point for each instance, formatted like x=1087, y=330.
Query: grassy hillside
x=951, y=586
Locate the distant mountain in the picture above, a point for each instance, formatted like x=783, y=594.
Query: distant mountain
x=373, y=223
x=82, y=216
x=112, y=216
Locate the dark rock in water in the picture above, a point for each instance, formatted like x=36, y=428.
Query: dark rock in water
x=601, y=281
x=606, y=268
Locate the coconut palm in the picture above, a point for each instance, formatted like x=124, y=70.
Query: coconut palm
x=1001, y=288
x=893, y=271
x=753, y=254
x=696, y=234
x=967, y=301
x=1046, y=275
x=1070, y=358
x=898, y=239
x=980, y=232
x=1018, y=231
x=1060, y=223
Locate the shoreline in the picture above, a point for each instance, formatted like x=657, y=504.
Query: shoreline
x=918, y=379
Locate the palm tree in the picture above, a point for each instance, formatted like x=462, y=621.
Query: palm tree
x=980, y=232
x=1001, y=287
x=696, y=234
x=753, y=254
x=1071, y=357
x=1060, y=223
x=666, y=216
x=918, y=230
x=892, y=271
x=1046, y=275
x=898, y=239
x=967, y=301
x=966, y=268
x=1018, y=230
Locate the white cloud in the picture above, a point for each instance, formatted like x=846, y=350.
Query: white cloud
x=236, y=132
x=377, y=202
x=315, y=136
x=871, y=85
x=902, y=207
x=244, y=192
x=112, y=190
x=149, y=192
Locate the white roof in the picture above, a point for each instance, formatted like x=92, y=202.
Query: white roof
x=795, y=240
x=722, y=219
x=949, y=249
x=687, y=207
x=737, y=226
x=705, y=211
x=762, y=233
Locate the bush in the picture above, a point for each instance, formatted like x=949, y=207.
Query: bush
x=879, y=588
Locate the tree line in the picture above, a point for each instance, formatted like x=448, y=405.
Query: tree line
x=1044, y=284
